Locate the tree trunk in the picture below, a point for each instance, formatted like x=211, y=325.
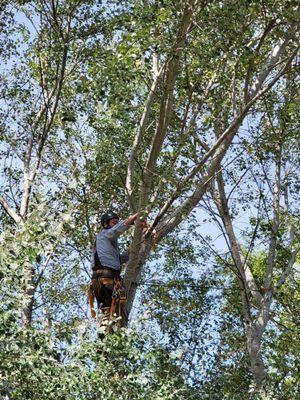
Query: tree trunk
x=254, y=336
x=133, y=275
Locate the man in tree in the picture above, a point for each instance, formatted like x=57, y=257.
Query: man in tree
x=107, y=260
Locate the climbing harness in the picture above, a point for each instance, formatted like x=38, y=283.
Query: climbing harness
x=111, y=296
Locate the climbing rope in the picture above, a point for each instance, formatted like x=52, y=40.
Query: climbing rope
x=117, y=312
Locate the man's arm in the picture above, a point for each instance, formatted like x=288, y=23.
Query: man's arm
x=120, y=227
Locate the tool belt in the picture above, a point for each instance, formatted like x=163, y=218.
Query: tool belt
x=105, y=272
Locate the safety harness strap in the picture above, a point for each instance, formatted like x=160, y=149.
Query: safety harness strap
x=91, y=300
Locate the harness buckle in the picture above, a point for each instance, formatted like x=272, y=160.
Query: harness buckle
x=122, y=295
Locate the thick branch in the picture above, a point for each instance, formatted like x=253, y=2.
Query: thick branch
x=185, y=133
x=141, y=130
x=271, y=61
x=268, y=29
x=16, y=217
x=166, y=106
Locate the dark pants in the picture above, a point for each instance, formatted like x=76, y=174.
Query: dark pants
x=103, y=289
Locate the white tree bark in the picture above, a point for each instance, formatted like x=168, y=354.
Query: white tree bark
x=254, y=326
x=257, y=316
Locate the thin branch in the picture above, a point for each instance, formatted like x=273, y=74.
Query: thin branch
x=286, y=273
x=276, y=218
x=234, y=90
x=29, y=176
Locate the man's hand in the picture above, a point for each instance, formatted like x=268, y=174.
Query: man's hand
x=144, y=225
x=130, y=220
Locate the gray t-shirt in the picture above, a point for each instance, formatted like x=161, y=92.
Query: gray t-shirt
x=108, y=248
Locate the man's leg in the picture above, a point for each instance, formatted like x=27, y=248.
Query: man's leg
x=107, y=287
